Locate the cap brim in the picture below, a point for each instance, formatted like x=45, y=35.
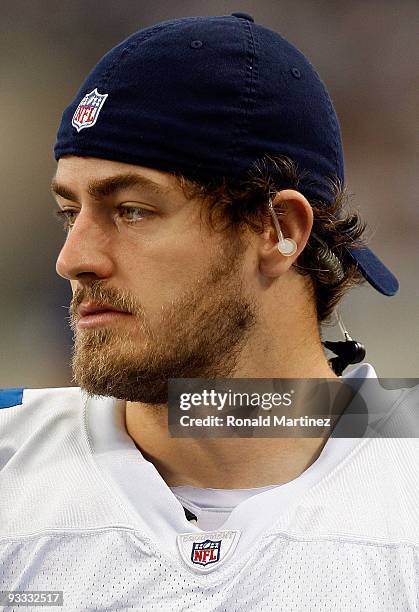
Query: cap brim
x=375, y=271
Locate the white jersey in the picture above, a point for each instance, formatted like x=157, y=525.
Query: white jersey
x=83, y=512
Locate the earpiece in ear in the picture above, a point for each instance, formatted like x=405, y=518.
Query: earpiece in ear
x=287, y=247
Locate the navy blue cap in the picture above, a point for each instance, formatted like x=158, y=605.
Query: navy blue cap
x=207, y=97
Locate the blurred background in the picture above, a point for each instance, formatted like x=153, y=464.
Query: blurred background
x=366, y=53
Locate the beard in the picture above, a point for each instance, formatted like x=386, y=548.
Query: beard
x=199, y=335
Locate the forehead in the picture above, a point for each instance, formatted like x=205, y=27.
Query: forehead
x=80, y=171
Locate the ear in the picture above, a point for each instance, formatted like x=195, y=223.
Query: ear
x=296, y=221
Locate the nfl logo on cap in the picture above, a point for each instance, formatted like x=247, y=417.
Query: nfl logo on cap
x=88, y=110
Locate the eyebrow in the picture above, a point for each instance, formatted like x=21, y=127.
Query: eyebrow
x=101, y=188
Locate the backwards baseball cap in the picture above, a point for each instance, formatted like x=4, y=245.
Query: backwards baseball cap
x=207, y=97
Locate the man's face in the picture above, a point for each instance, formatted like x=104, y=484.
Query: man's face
x=145, y=249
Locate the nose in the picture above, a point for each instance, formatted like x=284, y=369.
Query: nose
x=86, y=250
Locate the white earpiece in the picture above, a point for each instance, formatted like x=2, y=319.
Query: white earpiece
x=286, y=246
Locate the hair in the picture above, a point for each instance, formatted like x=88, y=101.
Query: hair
x=242, y=203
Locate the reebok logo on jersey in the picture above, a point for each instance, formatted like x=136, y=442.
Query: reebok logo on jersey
x=205, y=551
x=88, y=110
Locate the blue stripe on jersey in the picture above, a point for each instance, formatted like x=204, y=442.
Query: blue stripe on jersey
x=11, y=397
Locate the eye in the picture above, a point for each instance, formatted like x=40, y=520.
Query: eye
x=143, y=212
x=132, y=214
x=64, y=216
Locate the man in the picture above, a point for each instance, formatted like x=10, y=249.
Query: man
x=200, y=179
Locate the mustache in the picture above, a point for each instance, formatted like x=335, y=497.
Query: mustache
x=102, y=295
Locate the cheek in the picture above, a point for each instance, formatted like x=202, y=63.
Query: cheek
x=161, y=274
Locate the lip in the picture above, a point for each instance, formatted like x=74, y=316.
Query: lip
x=87, y=309
x=100, y=318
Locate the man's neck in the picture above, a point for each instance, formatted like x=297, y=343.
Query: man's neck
x=226, y=462
x=230, y=463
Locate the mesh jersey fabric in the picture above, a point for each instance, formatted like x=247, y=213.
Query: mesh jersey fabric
x=83, y=512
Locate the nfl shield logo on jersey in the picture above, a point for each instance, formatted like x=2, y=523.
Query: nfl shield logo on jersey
x=206, y=552
x=88, y=110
